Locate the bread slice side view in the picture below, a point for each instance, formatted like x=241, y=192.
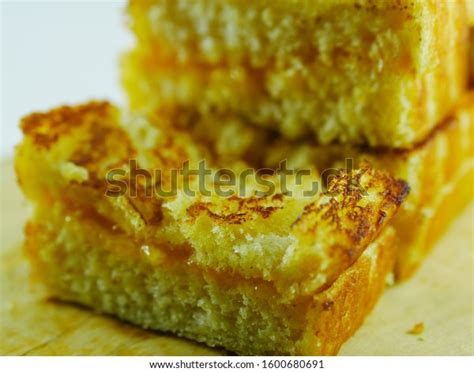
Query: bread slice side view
x=81, y=261
x=138, y=257
x=303, y=68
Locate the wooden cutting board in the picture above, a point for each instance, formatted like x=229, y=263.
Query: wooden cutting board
x=440, y=296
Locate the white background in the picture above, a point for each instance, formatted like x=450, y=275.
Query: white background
x=56, y=52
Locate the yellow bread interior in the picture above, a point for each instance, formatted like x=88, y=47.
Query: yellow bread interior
x=382, y=73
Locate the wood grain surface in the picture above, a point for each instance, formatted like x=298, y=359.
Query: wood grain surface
x=440, y=296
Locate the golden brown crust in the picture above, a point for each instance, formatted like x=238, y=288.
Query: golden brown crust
x=347, y=190
x=345, y=223
x=45, y=128
x=344, y=306
x=86, y=135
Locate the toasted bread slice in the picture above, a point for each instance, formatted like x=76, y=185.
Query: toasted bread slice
x=301, y=249
x=80, y=260
x=382, y=73
x=309, y=240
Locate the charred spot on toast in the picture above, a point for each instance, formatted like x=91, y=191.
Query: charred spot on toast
x=45, y=128
x=342, y=203
x=90, y=130
x=327, y=305
x=236, y=210
x=351, y=213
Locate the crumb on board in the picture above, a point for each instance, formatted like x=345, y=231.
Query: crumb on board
x=390, y=279
x=417, y=329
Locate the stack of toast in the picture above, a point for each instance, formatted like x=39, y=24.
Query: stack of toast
x=368, y=100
